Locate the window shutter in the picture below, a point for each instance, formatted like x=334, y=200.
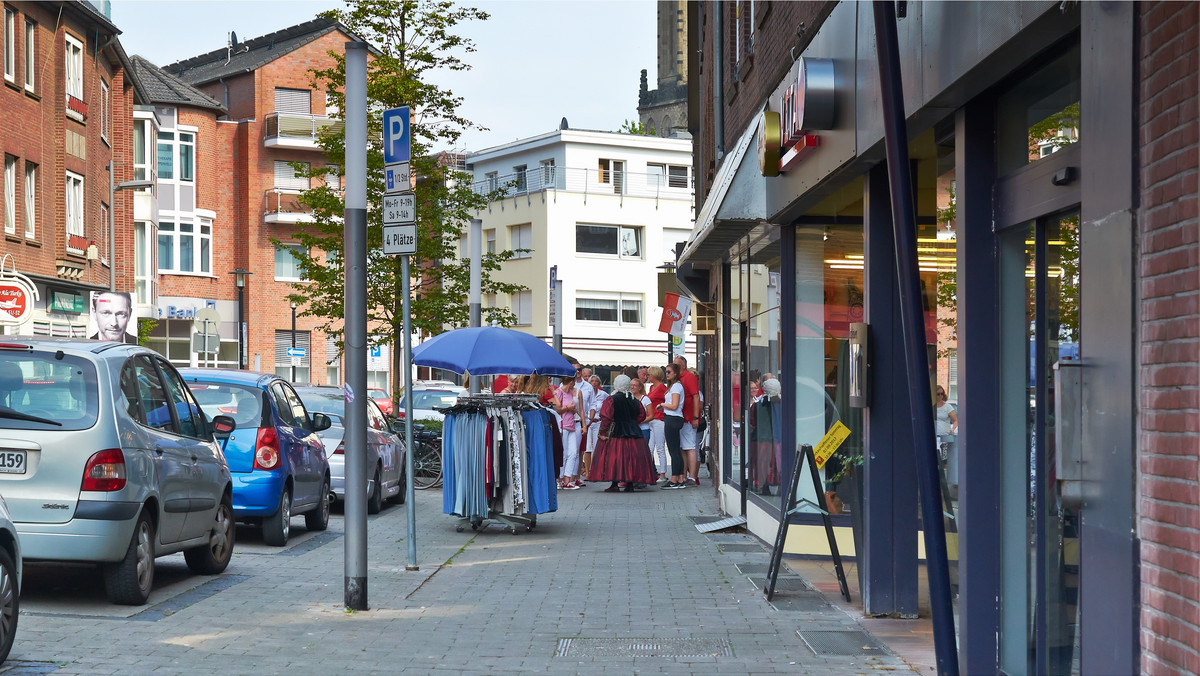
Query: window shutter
x=331, y=351
x=285, y=177
x=283, y=342
x=293, y=101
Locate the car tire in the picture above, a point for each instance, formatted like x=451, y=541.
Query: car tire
x=400, y=496
x=276, y=527
x=214, y=557
x=128, y=582
x=375, y=501
x=10, y=603
x=318, y=517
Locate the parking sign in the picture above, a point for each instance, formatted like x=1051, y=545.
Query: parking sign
x=397, y=144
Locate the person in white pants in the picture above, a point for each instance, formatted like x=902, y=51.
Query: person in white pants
x=566, y=405
x=657, y=392
x=593, y=421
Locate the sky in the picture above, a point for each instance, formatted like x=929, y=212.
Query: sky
x=537, y=62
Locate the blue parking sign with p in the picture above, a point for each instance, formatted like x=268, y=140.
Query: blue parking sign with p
x=396, y=142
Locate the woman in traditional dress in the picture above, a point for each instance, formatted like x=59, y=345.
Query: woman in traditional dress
x=622, y=454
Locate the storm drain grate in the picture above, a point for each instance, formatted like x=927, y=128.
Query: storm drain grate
x=802, y=603
x=28, y=668
x=782, y=583
x=761, y=569
x=643, y=647
x=740, y=548
x=840, y=642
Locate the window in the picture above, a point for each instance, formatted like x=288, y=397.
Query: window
x=522, y=307
x=166, y=155
x=667, y=175
x=521, y=179
x=283, y=363
x=191, y=421
x=104, y=231
x=185, y=247
x=548, y=177
x=187, y=156
x=105, y=111
x=10, y=45
x=74, y=204
x=30, y=199
x=10, y=195
x=621, y=309
x=287, y=266
x=154, y=402
x=141, y=159
x=293, y=101
x=521, y=237
x=288, y=178
x=493, y=180
x=74, y=69
x=613, y=172
x=491, y=241
x=141, y=262
x=30, y=55
x=609, y=240
x=168, y=142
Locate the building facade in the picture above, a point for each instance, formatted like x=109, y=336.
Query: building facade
x=68, y=102
x=1052, y=153
x=606, y=210
x=663, y=110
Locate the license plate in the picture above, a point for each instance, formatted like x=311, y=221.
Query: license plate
x=12, y=462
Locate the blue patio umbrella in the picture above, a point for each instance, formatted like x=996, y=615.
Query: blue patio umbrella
x=491, y=350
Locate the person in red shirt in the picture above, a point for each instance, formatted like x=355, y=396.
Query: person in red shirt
x=656, y=390
x=691, y=420
x=500, y=384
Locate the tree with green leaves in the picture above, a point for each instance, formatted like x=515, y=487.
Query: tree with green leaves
x=411, y=40
x=631, y=127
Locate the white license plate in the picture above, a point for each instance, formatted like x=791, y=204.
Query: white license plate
x=12, y=462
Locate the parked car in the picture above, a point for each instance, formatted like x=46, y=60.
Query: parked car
x=10, y=581
x=382, y=398
x=429, y=395
x=106, y=457
x=276, y=459
x=385, y=451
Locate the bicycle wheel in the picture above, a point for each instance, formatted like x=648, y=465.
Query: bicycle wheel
x=427, y=466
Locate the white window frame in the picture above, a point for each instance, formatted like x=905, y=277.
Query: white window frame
x=490, y=236
x=516, y=241
x=104, y=222
x=287, y=247
x=30, y=56
x=105, y=112
x=638, y=233
x=31, y=174
x=200, y=233
x=177, y=140
x=493, y=180
x=621, y=299
x=549, y=179
x=73, y=56
x=145, y=245
x=522, y=307
x=521, y=178
x=10, y=45
x=74, y=205
x=10, y=194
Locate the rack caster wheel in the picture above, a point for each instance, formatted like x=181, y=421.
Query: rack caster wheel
x=458, y=529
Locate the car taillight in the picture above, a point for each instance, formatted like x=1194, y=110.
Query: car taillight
x=341, y=449
x=105, y=471
x=266, y=449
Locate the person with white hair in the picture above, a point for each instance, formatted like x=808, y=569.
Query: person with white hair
x=765, y=427
x=622, y=455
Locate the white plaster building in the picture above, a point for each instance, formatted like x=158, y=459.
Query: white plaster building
x=607, y=209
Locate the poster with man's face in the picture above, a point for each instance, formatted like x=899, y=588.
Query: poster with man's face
x=113, y=317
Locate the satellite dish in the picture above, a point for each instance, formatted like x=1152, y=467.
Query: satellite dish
x=233, y=39
x=563, y=124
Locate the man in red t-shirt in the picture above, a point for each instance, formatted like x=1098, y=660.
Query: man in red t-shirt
x=691, y=420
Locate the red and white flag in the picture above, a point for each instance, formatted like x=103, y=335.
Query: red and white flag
x=676, y=309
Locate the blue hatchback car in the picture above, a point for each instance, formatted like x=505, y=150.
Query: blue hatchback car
x=277, y=461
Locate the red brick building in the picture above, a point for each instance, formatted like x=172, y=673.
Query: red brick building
x=1053, y=150
x=66, y=113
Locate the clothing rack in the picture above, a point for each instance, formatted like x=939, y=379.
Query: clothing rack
x=498, y=463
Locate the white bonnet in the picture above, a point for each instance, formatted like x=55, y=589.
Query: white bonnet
x=772, y=388
x=621, y=383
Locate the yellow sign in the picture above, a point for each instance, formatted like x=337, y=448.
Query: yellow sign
x=830, y=442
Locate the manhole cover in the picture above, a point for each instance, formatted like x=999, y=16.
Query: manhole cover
x=782, y=583
x=802, y=603
x=731, y=547
x=643, y=647
x=840, y=642
x=761, y=569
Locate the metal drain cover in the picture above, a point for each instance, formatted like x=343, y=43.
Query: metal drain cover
x=643, y=647
x=782, y=583
x=731, y=547
x=841, y=642
x=802, y=603
x=761, y=569
x=721, y=524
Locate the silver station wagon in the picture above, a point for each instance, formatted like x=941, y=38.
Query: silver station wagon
x=105, y=457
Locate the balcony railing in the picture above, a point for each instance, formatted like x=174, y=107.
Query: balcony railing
x=589, y=181
x=296, y=130
x=282, y=205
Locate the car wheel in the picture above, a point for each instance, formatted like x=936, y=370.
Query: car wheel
x=277, y=526
x=375, y=502
x=128, y=581
x=402, y=483
x=10, y=603
x=213, y=557
x=318, y=518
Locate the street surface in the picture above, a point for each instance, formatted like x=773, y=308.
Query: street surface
x=611, y=583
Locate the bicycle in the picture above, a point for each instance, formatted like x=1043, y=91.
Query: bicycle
x=427, y=460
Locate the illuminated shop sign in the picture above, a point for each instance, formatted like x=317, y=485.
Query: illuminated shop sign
x=786, y=137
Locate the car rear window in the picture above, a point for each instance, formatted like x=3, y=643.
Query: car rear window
x=242, y=403
x=332, y=402
x=434, y=399
x=59, y=388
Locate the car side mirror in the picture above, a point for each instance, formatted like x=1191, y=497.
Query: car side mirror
x=223, y=425
x=418, y=427
x=320, y=422
x=396, y=426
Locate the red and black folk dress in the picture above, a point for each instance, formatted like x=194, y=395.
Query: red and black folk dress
x=624, y=455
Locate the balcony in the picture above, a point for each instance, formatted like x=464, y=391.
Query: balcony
x=589, y=182
x=296, y=130
x=282, y=205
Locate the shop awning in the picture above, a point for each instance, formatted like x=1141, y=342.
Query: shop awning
x=736, y=203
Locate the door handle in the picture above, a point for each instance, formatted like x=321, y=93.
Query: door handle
x=159, y=450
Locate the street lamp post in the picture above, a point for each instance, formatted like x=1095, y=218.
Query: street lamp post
x=292, y=357
x=239, y=277
x=113, y=188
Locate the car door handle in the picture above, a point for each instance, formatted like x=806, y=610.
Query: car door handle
x=159, y=450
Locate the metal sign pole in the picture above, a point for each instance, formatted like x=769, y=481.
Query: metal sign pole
x=475, y=244
x=356, y=326
x=409, y=492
